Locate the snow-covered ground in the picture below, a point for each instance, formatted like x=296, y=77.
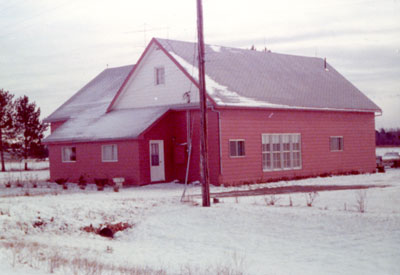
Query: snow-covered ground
x=380, y=151
x=32, y=165
x=40, y=234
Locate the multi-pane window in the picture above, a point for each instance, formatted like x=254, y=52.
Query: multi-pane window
x=109, y=153
x=236, y=148
x=336, y=143
x=281, y=151
x=159, y=75
x=68, y=154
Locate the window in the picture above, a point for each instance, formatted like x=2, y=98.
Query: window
x=236, y=148
x=336, y=143
x=159, y=76
x=281, y=152
x=109, y=153
x=155, y=156
x=68, y=154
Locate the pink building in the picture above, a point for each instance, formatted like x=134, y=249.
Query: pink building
x=270, y=116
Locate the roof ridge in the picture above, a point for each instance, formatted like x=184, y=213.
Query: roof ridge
x=81, y=91
x=241, y=49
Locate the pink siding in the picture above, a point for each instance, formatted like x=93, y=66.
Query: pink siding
x=315, y=128
x=90, y=165
x=172, y=129
x=55, y=125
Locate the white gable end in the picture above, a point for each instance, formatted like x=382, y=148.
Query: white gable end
x=143, y=91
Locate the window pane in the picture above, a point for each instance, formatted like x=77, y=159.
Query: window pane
x=286, y=143
x=160, y=76
x=336, y=143
x=69, y=153
x=232, y=148
x=155, y=160
x=240, y=149
x=276, y=146
x=295, y=142
x=296, y=160
x=286, y=160
x=277, y=160
x=109, y=152
x=266, y=161
x=73, y=154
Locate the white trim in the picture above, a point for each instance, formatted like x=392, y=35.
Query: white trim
x=116, y=153
x=341, y=149
x=281, y=152
x=63, y=154
x=157, y=172
x=244, y=147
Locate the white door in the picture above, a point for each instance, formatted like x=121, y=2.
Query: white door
x=157, y=171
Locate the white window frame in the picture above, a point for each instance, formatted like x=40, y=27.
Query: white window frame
x=159, y=75
x=340, y=145
x=270, y=153
x=114, y=149
x=64, y=155
x=236, y=145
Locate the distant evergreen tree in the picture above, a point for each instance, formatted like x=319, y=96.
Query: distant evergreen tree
x=38, y=151
x=30, y=128
x=6, y=122
x=388, y=137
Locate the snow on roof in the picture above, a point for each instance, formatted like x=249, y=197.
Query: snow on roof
x=94, y=96
x=117, y=124
x=87, y=119
x=238, y=77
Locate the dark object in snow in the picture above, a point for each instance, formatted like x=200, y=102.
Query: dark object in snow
x=39, y=223
x=82, y=182
x=215, y=200
x=106, y=232
x=61, y=181
x=101, y=183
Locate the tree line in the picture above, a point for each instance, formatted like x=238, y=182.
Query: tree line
x=21, y=129
x=388, y=137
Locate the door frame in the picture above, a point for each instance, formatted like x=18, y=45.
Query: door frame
x=157, y=173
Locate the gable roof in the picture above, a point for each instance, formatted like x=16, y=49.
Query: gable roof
x=86, y=117
x=119, y=124
x=234, y=77
x=238, y=77
x=94, y=96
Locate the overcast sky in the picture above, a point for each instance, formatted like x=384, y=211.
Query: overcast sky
x=49, y=49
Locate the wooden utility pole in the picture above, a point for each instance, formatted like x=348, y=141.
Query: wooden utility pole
x=203, y=108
